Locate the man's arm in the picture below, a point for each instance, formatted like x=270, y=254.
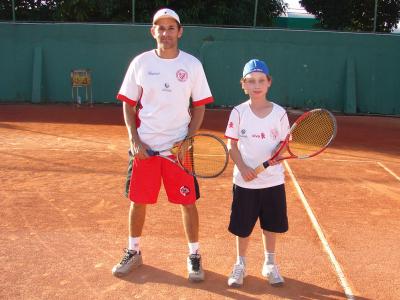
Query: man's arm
x=197, y=119
x=138, y=148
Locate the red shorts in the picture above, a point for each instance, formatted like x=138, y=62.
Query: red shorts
x=145, y=181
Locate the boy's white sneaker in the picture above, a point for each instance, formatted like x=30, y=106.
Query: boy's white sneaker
x=237, y=275
x=272, y=274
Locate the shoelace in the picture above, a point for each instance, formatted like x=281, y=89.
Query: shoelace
x=195, y=262
x=127, y=256
x=237, y=271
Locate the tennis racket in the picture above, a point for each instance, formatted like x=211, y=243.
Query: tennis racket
x=309, y=135
x=202, y=155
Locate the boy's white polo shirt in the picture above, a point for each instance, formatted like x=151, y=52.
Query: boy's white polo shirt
x=164, y=88
x=257, y=138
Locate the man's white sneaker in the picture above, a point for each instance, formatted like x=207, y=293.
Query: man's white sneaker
x=272, y=273
x=195, y=270
x=131, y=260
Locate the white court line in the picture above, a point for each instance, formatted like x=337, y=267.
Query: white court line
x=339, y=272
x=349, y=160
x=60, y=150
x=389, y=171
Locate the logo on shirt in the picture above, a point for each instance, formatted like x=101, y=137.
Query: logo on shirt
x=184, y=190
x=259, y=135
x=230, y=125
x=274, y=134
x=166, y=87
x=181, y=75
x=243, y=133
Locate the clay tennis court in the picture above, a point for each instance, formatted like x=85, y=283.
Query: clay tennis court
x=64, y=217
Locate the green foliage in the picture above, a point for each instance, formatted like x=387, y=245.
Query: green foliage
x=355, y=15
x=205, y=12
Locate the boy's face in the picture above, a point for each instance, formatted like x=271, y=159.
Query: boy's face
x=256, y=84
x=166, y=32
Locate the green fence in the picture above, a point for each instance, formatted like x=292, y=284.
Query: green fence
x=346, y=72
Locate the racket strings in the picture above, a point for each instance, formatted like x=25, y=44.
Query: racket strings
x=313, y=134
x=205, y=156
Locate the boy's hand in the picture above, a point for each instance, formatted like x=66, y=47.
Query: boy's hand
x=247, y=173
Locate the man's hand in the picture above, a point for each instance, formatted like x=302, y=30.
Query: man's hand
x=139, y=150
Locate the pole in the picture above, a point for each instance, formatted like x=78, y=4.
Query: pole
x=255, y=14
x=13, y=10
x=133, y=11
x=375, y=14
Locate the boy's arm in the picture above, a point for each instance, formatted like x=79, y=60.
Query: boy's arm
x=247, y=173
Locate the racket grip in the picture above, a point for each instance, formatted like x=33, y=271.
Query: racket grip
x=151, y=152
x=262, y=167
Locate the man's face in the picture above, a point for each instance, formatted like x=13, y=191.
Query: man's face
x=166, y=32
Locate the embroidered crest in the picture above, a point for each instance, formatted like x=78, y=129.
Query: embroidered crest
x=181, y=75
x=184, y=190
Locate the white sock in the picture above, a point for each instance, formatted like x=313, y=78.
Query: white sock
x=133, y=243
x=269, y=258
x=193, y=248
x=241, y=260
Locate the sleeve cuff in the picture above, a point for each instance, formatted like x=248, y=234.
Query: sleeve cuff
x=203, y=101
x=123, y=98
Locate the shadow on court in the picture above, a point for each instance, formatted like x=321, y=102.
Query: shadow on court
x=253, y=288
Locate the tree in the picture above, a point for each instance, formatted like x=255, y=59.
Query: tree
x=205, y=12
x=355, y=15
x=216, y=12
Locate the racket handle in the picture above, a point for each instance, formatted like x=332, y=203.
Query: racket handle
x=262, y=167
x=152, y=153
x=266, y=164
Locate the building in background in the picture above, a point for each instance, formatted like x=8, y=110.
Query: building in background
x=296, y=17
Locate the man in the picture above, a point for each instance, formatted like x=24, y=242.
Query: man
x=162, y=81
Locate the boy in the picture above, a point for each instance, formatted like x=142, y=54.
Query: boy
x=255, y=129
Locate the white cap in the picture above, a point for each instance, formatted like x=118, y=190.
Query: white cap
x=166, y=13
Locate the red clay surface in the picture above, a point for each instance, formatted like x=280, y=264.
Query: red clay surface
x=64, y=217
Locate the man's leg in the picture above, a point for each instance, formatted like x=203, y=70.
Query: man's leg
x=137, y=215
x=190, y=219
x=133, y=256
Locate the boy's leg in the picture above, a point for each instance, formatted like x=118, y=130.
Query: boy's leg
x=273, y=220
x=270, y=269
x=269, y=241
x=239, y=269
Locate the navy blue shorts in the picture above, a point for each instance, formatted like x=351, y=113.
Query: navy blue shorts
x=268, y=205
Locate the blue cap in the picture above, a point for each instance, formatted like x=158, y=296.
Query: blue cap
x=255, y=65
